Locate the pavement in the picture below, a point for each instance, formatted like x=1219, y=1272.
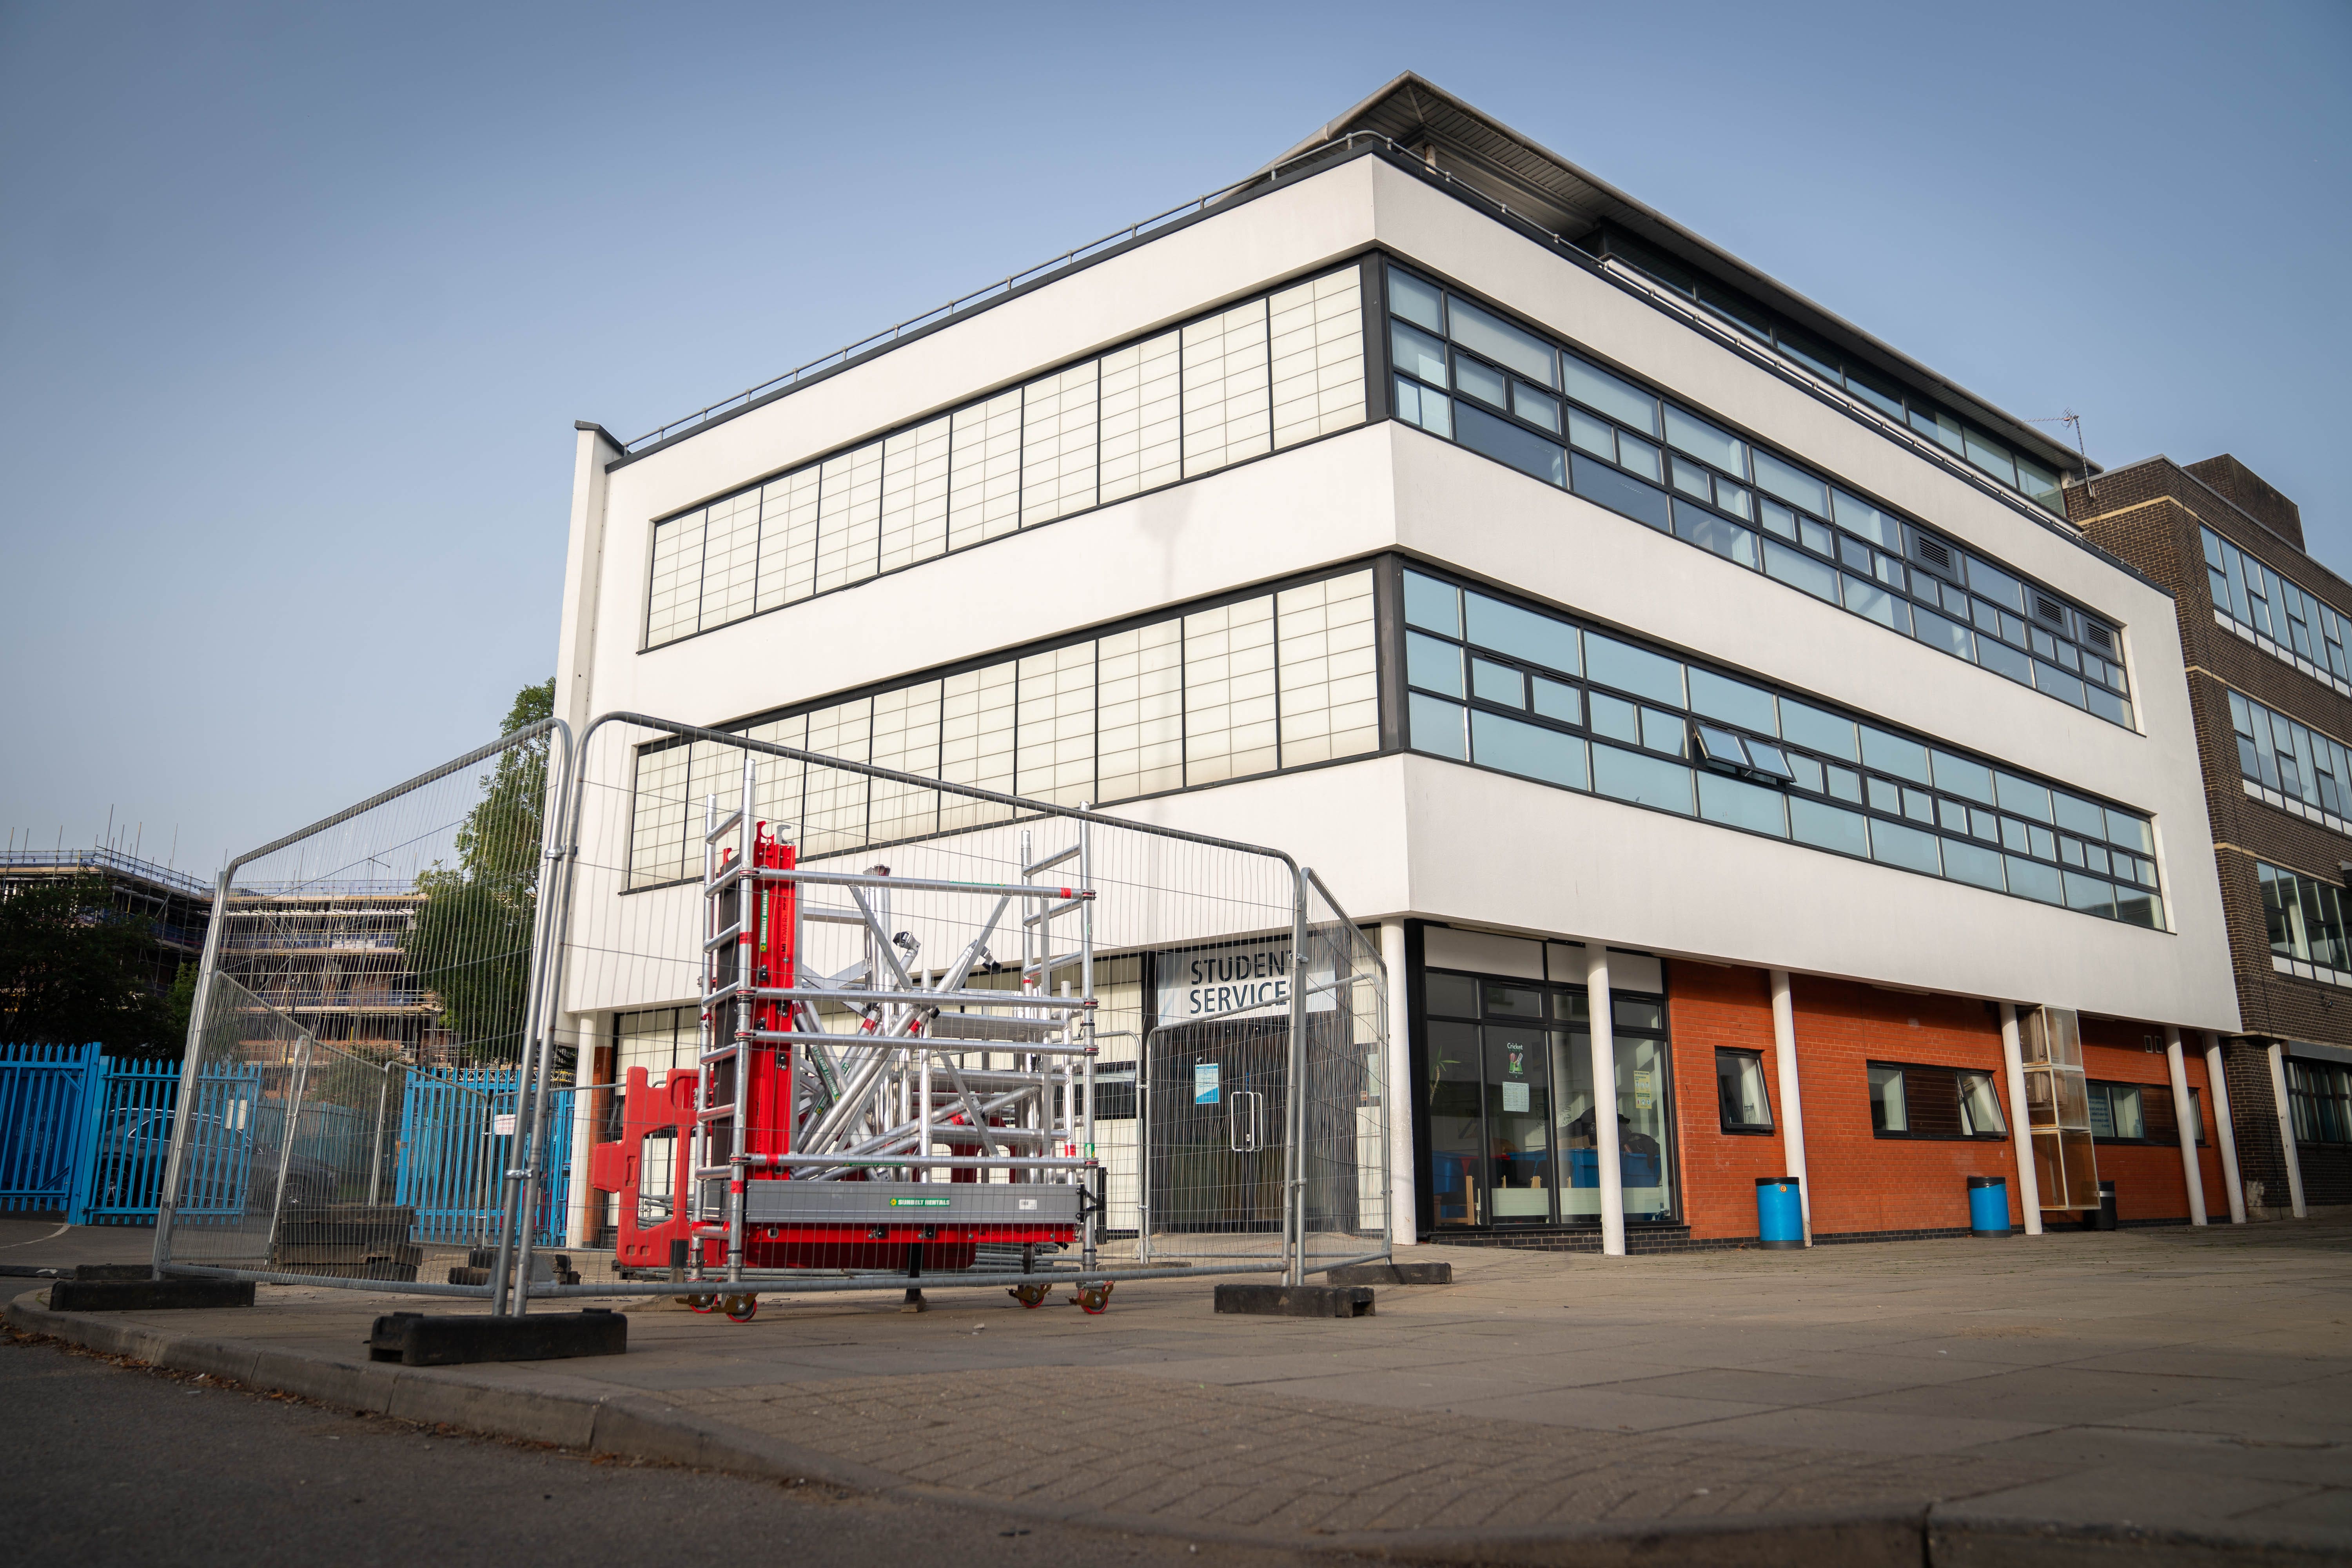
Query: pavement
x=2181, y=1395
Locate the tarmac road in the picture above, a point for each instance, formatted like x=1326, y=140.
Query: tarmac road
x=115, y=1464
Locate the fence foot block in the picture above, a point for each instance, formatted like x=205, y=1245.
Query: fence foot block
x=1296, y=1300
x=415, y=1339
x=1391, y=1274
x=147, y=1295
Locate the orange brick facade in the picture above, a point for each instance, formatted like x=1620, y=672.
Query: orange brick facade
x=1863, y=1183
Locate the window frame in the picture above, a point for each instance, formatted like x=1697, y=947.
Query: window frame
x=1770, y=1126
x=1908, y=1071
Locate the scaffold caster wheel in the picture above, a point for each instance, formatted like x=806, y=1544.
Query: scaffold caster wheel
x=1031, y=1295
x=700, y=1303
x=1094, y=1299
x=742, y=1309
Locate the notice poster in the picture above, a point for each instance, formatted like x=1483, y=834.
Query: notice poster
x=1206, y=1087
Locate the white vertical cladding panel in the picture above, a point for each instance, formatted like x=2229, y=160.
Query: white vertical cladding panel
x=1491, y=522
x=1228, y=405
x=915, y=494
x=984, y=471
x=787, y=539
x=1060, y=438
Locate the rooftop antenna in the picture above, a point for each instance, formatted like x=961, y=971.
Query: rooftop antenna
x=2075, y=421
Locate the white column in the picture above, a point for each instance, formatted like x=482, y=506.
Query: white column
x=2286, y=1129
x=2187, y=1117
x=1792, y=1104
x=1403, y=1215
x=2021, y=1125
x=2225, y=1128
x=1605, y=1099
x=578, y=1226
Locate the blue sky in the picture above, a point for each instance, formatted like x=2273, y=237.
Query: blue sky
x=298, y=303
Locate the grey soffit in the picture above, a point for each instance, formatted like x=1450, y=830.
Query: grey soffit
x=1530, y=179
x=2312, y=1051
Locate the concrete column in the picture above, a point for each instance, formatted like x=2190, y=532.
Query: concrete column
x=1402, y=1216
x=2217, y=1084
x=578, y=1228
x=2176, y=1064
x=1792, y=1103
x=2286, y=1129
x=2021, y=1125
x=1605, y=1099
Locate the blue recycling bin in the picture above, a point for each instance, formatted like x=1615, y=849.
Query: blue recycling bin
x=1988, y=1206
x=1779, y=1213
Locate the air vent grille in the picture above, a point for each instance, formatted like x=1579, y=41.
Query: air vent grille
x=1935, y=554
x=2098, y=636
x=2050, y=609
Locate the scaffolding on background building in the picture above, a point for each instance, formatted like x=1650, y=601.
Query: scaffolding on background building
x=912, y=997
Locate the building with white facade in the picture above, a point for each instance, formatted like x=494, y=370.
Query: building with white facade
x=1598, y=616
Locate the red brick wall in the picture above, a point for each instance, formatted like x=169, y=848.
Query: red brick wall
x=1860, y=1182
x=2148, y=1179
x=1711, y=1006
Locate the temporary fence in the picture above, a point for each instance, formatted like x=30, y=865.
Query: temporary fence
x=935, y=1033
x=312, y=1141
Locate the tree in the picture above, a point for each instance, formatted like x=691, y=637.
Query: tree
x=470, y=942
x=74, y=970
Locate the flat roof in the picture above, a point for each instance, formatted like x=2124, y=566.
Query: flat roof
x=1533, y=180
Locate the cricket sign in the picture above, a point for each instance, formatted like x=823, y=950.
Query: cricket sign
x=1244, y=980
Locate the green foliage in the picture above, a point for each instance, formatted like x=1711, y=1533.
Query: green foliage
x=470, y=944
x=73, y=970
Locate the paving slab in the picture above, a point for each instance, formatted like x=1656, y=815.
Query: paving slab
x=2130, y=1383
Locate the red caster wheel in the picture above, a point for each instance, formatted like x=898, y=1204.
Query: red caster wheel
x=742, y=1309
x=1030, y=1296
x=1094, y=1299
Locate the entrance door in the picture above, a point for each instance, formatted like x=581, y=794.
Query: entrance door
x=1215, y=1118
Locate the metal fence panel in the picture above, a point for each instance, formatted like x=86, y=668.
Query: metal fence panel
x=44, y=1114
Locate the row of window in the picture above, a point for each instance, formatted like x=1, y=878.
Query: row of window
x=2306, y=919
x=1662, y=465
x=2299, y=628
x=1948, y=1103
x=2319, y=1095
x=2291, y=757
x=1532, y=693
x=1899, y=403
x=1280, y=680
x=1254, y=378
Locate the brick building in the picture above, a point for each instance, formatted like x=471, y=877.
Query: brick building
x=2263, y=637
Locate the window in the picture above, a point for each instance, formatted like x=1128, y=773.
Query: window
x=1829, y=543
x=2320, y=1094
x=1285, y=680
x=2305, y=916
x=1255, y=377
x=2280, y=756
x=1939, y=1102
x=1740, y=1091
x=1531, y=692
x=2275, y=615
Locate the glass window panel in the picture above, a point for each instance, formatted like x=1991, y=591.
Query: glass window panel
x=1693, y=480
x=1665, y=731
x=1919, y=806
x=1591, y=435
x=2044, y=842
x=1733, y=499
x=2077, y=814
x=1643, y=779
x=1713, y=533
x=1736, y=804
x=1596, y=388
x=1895, y=845
x=1828, y=827
x=1616, y=718
x=1967, y=862
x=1492, y=682
x=1804, y=771
x=2089, y=894
x=1984, y=825
x=1521, y=748
x=1433, y=411
x=1891, y=754
x=1939, y=631
x=1437, y=728
x=2095, y=858
x=1981, y=1114
x=1634, y=669
x=1417, y=353
x=1431, y=604
x=1963, y=777
x=2067, y=688
x=1858, y=516
x=1555, y=700
x=1828, y=734
x=1800, y=571
x=1791, y=484
x=1768, y=759
x=1535, y=407
x=1479, y=381
x=1869, y=600
x=2034, y=880
x=1522, y=634
x=1777, y=518
x=1815, y=536
x=2070, y=850
x=1689, y=433
x=2130, y=832
x=1937, y=425
x=1500, y=341
x=1432, y=664
x=2003, y=660
x=2021, y=796
x=1844, y=784
x=1881, y=395
x=1996, y=585
x=1642, y=457
x=1888, y=1113
x=1508, y=443
x=1740, y=1091
x=1990, y=456
x=1884, y=797
x=1415, y=300
x=1733, y=702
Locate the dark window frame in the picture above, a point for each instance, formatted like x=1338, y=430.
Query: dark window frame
x=1770, y=1126
x=1911, y=1134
